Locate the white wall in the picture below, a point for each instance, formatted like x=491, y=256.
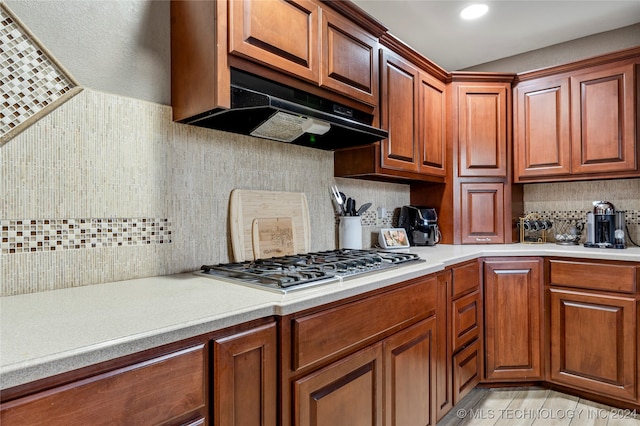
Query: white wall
x=119, y=47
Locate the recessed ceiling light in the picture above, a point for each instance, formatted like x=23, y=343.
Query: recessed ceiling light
x=474, y=11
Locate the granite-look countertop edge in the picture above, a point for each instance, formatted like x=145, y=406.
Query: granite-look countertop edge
x=145, y=313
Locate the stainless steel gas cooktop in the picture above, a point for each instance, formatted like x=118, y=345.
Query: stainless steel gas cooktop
x=296, y=272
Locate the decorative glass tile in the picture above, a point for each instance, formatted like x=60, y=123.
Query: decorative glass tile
x=36, y=235
x=32, y=83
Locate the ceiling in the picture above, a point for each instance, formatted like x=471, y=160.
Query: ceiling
x=434, y=29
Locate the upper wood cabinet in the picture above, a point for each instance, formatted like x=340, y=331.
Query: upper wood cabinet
x=603, y=120
x=327, y=49
x=399, y=112
x=413, y=109
x=340, y=56
x=482, y=129
x=578, y=121
x=541, y=129
x=255, y=32
x=349, y=58
x=432, y=122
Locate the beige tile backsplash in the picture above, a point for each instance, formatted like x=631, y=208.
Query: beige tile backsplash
x=75, y=182
x=573, y=200
x=101, y=158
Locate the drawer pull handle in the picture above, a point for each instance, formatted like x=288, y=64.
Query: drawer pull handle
x=483, y=239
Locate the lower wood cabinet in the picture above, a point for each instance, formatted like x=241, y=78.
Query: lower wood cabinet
x=245, y=386
x=459, y=335
x=593, y=342
x=593, y=323
x=368, y=361
x=225, y=378
x=513, y=300
x=466, y=328
x=168, y=389
x=387, y=383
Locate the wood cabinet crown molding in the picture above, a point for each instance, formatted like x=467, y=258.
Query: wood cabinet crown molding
x=618, y=55
x=351, y=11
x=413, y=56
x=482, y=77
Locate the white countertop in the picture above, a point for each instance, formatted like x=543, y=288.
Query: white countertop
x=43, y=334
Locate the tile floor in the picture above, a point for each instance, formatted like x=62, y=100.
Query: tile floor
x=534, y=406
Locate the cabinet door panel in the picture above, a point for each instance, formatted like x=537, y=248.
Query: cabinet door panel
x=542, y=143
x=255, y=32
x=603, y=121
x=349, y=59
x=482, y=131
x=348, y=392
x=409, y=375
x=398, y=112
x=245, y=384
x=482, y=213
x=593, y=341
x=432, y=125
x=513, y=334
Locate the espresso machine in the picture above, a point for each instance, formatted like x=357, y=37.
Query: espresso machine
x=605, y=226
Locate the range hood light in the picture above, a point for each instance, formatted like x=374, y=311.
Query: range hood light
x=316, y=127
x=281, y=127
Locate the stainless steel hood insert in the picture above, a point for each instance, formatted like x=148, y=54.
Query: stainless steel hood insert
x=269, y=110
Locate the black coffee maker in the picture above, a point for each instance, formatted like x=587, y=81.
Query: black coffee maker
x=421, y=224
x=605, y=227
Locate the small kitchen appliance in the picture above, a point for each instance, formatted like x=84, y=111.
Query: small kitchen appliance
x=605, y=227
x=421, y=224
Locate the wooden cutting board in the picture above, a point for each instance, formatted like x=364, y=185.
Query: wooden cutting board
x=269, y=209
x=273, y=237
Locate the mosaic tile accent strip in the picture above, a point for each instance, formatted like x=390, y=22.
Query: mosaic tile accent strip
x=32, y=83
x=631, y=216
x=370, y=218
x=22, y=236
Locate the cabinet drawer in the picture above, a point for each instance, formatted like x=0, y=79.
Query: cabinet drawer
x=467, y=368
x=616, y=277
x=465, y=320
x=466, y=278
x=319, y=336
x=150, y=392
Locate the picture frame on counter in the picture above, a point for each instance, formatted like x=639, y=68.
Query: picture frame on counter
x=393, y=238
